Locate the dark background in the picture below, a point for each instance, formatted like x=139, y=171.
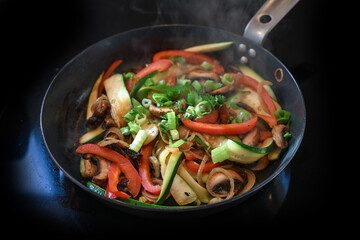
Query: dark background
x=39, y=37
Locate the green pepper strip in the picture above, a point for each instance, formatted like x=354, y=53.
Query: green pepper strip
x=131, y=201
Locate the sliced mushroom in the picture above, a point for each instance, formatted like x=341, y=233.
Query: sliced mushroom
x=252, y=138
x=100, y=109
x=88, y=167
x=278, y=133
x=189, y=68
x=201, y=74
x=158, y=111
x=103, y=168
x=219, y=184
x=101, y=106
x=223, y=90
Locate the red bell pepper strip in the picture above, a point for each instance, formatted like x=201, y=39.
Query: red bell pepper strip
x=126, y=167
x=144, y=169
x=212, y=117
x=194, y=167
x=113, y=180
x=156, y=66
x=225, y=114
x=264, y=134
x=107, y=74
x=271, y=120
x=190, y=57
x=221, y=129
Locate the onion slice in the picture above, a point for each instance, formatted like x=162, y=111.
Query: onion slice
x=228, y=175
x=200, y=170
x=259, y=89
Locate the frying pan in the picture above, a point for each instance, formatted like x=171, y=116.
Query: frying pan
x=64, y=105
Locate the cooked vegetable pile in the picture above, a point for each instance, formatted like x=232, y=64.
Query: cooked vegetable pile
x=181, y=130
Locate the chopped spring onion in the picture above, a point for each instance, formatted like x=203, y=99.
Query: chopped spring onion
x=149, y=82
x=134, y=128
x=171, y=120
x=162, y=99
x=190, y=112
x=140, y=119
x=287, y=135
x=125, y=131
x=139, y=140
x=211, y=85
x=146, y=102
x=176, y=144
x=220, y=153
x=203, y=108
x=192, y=98
x=129, y=76
x=130, y=116
x=197, y=86
x=207, y=66
x=142, y=110
x=174, y=134
x=178, y=59
x=183, y=82
x=227, y=79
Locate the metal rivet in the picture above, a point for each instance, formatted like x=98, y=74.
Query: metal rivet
x=252, y=53
x=242, y=48
x=244, y=60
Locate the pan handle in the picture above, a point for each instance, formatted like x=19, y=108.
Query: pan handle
x=266, y=19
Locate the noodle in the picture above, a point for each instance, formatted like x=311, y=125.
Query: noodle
x=276, y=73
x=200, y=171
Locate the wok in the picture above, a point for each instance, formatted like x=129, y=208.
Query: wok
x=64, y=105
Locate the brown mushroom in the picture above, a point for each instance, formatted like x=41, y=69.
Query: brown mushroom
x=223, y=90
x=201, y=74
x=158, y=111
x=88, y=167
x=278, y=133
x=219, y=182
x=100, y=108
x=103, y=168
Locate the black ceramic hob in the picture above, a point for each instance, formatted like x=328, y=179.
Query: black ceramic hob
x=39, y=37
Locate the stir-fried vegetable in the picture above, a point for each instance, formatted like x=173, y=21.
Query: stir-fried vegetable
x=182, y=129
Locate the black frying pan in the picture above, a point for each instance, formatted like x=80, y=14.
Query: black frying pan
x=64, y=106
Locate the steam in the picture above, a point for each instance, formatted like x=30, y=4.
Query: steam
x=230, y=15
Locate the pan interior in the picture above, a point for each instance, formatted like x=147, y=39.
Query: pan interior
x=64, y=105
